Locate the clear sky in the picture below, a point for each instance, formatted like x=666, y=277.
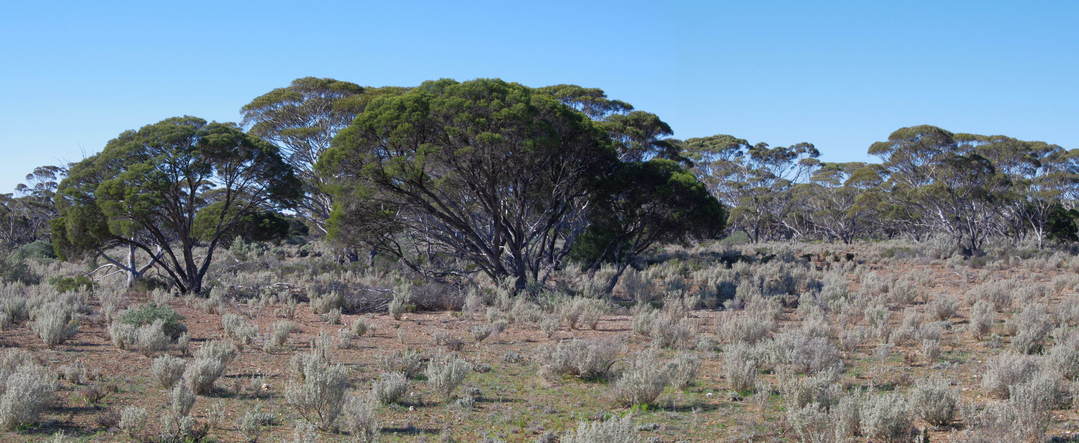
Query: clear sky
x=840, y=75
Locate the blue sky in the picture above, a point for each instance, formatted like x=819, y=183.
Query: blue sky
x=839, y=74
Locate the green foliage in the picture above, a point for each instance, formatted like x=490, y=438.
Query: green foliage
x=302, y=119
x=1063, y=224
x=36, y=250
x=71, y=284
x=254, y=226
x=148, y=313
x=450, y=160
x=17, y=271
x=645, y=203
x=148, y=188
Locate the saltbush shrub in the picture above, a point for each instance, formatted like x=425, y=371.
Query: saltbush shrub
x=319, y=393
x=167, y=370
x=209, y=364
x=27, y=390
x=643, y=380
x=445, y=373
x=389, y=388
x=613, y=430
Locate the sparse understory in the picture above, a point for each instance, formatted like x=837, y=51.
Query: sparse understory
x=792, y=342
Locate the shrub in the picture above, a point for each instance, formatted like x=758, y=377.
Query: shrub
x=1045, y=390
x=319, y=394
x=26, y=391
x=446, y=372
x=55, y=322
x=326, y=303
x=587, y=359
x=887, y=418
x=209, y=364
x=1032, y=326
x=71, y=284
x=390, y=387
x=812, y=423
x=359, y=419
x=740, y=367
x=1064, y=357
x=819, y=388
x=253, y=420
x=1006, y=370
x=409, y=362
x=279, y=336
x=981, y=319
x=642, y=381
x=683, y=370
x=123, y=335
x=672, y=331
x=804, y=353
x=943, y=307
x=146, y=314
x=359, y=327
x=580, y=311
x=152, y=338
x=935, y=401
x=133, y=421
x=644, y=320
x=847, y=415
x=176, y=428
x=167, y=370
x=181, y=399
x=998, y=293
x=1007, y=421
x=744, y=329
x=613, y=430
x=239, y=329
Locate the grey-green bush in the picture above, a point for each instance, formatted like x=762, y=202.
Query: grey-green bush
x=613, y=430
x=445, y=373
x=643, y=379
x=167, y=370
x=55, y=322
x=935, y=401
x=318, y=394
x=209, y=364
x=390, y=387
x=359, y=418
x=887, y=418
x=27, y=390
x=587, y=359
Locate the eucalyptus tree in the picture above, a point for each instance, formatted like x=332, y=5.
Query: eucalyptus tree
x=642, y=204
x=454, y=178
x=1041, y=176
x=755, y=180
x=942, y=184
x=25, y=215
x=172, y=189
x=835, y=200
x=301, y=120
x=637, y=135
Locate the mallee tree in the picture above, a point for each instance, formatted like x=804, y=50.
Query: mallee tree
x=175, y=189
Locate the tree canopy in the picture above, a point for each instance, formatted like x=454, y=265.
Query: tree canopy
x=301, y=120
x=174, y=185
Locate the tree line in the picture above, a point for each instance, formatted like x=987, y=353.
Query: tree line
x=455, y=178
